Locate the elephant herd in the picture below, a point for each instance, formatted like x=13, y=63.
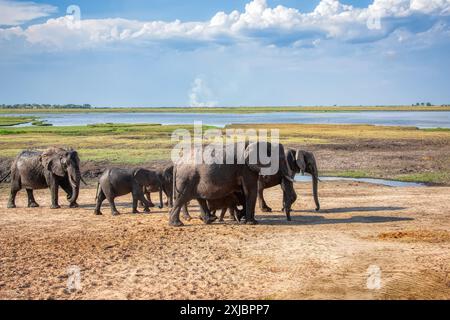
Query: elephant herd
x=233, y=187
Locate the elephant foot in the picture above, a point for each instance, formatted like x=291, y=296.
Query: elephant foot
x=115, y=213
x=176, y=223
x=33, y=205
x=318, y=208
x=74, y=205
x=98, y=213
x=151, y=205
x=187, y=217
x=209, y=219
x=160, y=206
x=146, y=210
x=135, y=212
x=55, y=206
x=266, y=209
x=251, y=222
x=11, y=206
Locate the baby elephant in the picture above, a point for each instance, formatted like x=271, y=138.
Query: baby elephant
x=231, y=203
x=118, y=182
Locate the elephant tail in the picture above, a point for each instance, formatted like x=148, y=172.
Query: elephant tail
x=96, y=192
x=5, y=177
x=174, y=183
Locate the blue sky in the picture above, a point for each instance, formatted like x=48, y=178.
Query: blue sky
x=225, y=52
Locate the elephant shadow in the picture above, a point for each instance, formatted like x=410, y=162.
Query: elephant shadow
x=353, y=209
x=317, y=219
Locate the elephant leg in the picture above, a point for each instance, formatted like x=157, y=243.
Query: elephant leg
x=31, y=201
x=100, y=198
x=112, y=204
x=15, y=187
x=144, y=202
x=222, y=214
x=54, y=194
x=250, y=202
x=149, y=200
x=180, y=203
x=135, y=204
x=262, y=203
x=186, y=215
x=206, y=215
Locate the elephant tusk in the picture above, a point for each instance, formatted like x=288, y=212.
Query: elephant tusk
x=289, y=178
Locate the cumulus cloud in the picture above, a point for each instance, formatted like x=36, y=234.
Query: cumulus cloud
x=13, y=13
x=201, y=95
x=279, y=26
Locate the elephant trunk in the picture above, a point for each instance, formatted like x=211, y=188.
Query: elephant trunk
x=74, y=175
x=315, y=181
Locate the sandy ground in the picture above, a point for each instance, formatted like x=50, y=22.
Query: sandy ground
x=401, y=234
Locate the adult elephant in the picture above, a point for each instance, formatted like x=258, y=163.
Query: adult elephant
x=298, y=161
x=53, y=168
x=215, y=181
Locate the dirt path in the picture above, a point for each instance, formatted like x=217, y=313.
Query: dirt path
x=405, y=232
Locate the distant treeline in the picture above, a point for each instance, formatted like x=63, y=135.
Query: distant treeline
x=45, y=106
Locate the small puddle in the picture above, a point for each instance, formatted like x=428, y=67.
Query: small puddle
x=389, y=183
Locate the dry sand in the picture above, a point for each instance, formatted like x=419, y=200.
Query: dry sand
x=405, y=232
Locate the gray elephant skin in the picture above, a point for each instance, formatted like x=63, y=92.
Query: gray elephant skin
x=166, y=177
x=215, y=181
x=299, y=161
x=53, y=168
x=116, y=182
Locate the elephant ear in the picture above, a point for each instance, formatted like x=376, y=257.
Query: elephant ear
x=51, y=160
x=300, y=160
x=311, y=165
x=251, y=157
x=292, y=163
x=140, y=175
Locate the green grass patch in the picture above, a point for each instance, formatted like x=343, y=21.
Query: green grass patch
x=348, y=174
x=438, y=177
x=13, y=121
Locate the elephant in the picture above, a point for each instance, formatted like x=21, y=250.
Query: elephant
x=165, y=175
x=53, y=168
x=230, y=202
x=117, y=182
x=211, y=181
x=298, y=161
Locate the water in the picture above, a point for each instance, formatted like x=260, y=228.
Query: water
x=389, y=183
x=426, y=119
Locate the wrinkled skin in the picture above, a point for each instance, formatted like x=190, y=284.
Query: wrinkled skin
x=53, y=168
x=166, y=176
x=215, y=181
x=119, y=182
x=298, y=161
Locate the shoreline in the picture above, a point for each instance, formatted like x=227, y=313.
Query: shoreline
x=236, y=110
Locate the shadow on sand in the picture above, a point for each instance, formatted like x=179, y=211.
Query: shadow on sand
x=311, y=220
x=353, y=209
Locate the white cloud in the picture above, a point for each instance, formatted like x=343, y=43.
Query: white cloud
x=260, y=23
x=13, y=13
x=201, y=95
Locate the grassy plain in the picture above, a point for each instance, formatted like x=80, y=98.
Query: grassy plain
x=403, y=153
